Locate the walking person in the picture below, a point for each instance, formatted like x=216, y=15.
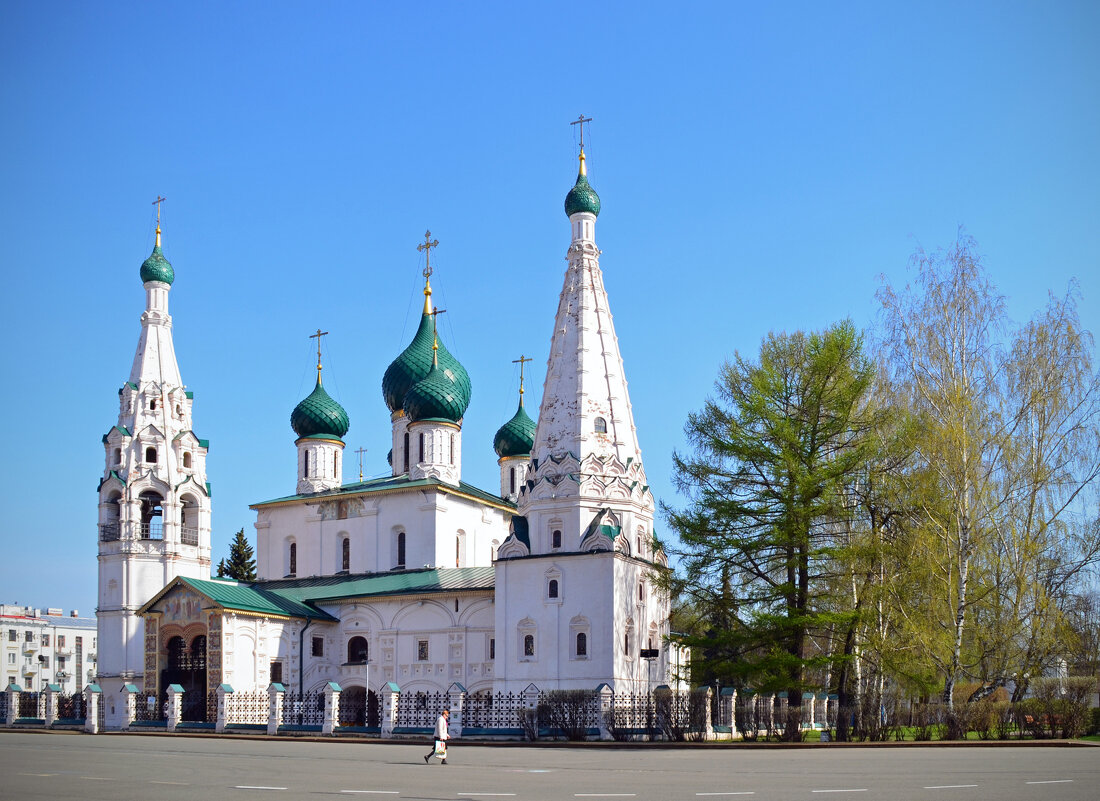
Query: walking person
x=439, y=742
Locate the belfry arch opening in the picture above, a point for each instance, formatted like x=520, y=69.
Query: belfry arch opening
x=152, y=515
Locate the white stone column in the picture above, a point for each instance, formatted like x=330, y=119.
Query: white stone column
x=708, y=725
x=275, y=697
x=175, y=706
x=51, y=693
x=129, y=700
x=607, y=698
x=456, y=696
x=223, y=693
x=12, y=693
x=390, y=699
x=93, y=697
x=332, y=704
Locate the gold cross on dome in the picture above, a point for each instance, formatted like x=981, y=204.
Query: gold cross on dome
x=520, y=361
x=318, y=336
x=427, y=246
x=581, y=120
x=157, y=203
x=361, y=451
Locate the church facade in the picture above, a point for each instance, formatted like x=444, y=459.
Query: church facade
x=418, y=578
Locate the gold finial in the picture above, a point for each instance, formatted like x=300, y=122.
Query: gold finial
x=157, y=203
x=361, y=451
x=318, y=336
x=520, y=361
x=427, y=246
x=581, y=120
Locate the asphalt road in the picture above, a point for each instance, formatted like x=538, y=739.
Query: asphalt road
x=120, y=767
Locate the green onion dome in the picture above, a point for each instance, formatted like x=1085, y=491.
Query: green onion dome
x=157, y=268
x=319, y=416
x=414, y=364
x=438, y=396
x=517, y=436
x=582, y=197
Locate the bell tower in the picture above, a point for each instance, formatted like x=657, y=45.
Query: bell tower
x=154, y=499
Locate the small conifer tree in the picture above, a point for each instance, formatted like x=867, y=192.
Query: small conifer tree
x=242, y=562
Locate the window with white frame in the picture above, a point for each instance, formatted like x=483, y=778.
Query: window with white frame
x=527, y=640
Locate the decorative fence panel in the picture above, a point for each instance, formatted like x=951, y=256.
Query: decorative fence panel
x=420, y=709
x=3, y=707
x=246, y=708
x=303, y=709
x=199, y=707
x=632, y=716
x=32, y=705
x=148, y=709
x=488, y=710
x=359, y=708
x=71, y=707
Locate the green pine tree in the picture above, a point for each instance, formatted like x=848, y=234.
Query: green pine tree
x=242, y=562
x=221, y=569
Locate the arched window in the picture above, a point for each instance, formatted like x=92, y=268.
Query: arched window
x=529, y=645
x=151, y=455
x=187, y=460
x=153, y=405
x=118, y=456
x=305, y=464
x=512, y=481
x=582, y=644
x=405, y=452
x=420, y=457
x=152, y=516
x=357, y=650
x=641, y=590
x=345, y=554
x=552, y=589
x=335, y=463
x=458, y=552
x=293, y=559
x=452, y=448
x=555, y=539
x=401, y=549
x=601, y=425
x=626, y=643
x=189, y=520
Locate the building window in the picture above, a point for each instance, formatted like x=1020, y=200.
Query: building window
x=357, y=650
x=529, y=645
x=335, y=463
x=118, y=455
x=641, y=590
x=11, y=635
x=582, y=644
x=492, y=648
x=405, y=452
x=46, y=640
x=626, y=643
x=60, y=639
x=151, y=455
x=512, y=481
x=11, y=657
x=305, y=464
x=153, y=405
x=552, y=589
x=345, y=554
x=275, y=672
x=555, y=539
x=293, y=559
x=420, y=457
x=452, y=448
x=401, y=549
x=422, y=650
x=601, y=425
x=187, y=460
x=318, y=648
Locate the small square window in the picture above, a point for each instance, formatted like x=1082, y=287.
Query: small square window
x=318, y=646
x=422, y=650
x=11, y=635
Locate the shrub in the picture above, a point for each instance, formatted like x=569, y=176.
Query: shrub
x=572, y=711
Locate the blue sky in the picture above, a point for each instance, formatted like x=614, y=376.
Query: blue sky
x=760, y=166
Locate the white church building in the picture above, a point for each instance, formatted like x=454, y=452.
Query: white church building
x=418, y=578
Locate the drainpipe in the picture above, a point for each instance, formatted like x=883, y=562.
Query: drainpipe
x=302, y=657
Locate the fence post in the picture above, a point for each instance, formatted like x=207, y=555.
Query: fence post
x=175, y=706
x=223, y=691
x=531, y=706
x=708, y=724
x=332, y=705
x=807, y=718
x=12, y=692
x=605, y=696
x=662, y=708
x=832, y=711
x=727, y=705
x=390, y=699
x=51, y=692
x=274, y=707
x=92, y=701
x=129, y=699
x=456, y=702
